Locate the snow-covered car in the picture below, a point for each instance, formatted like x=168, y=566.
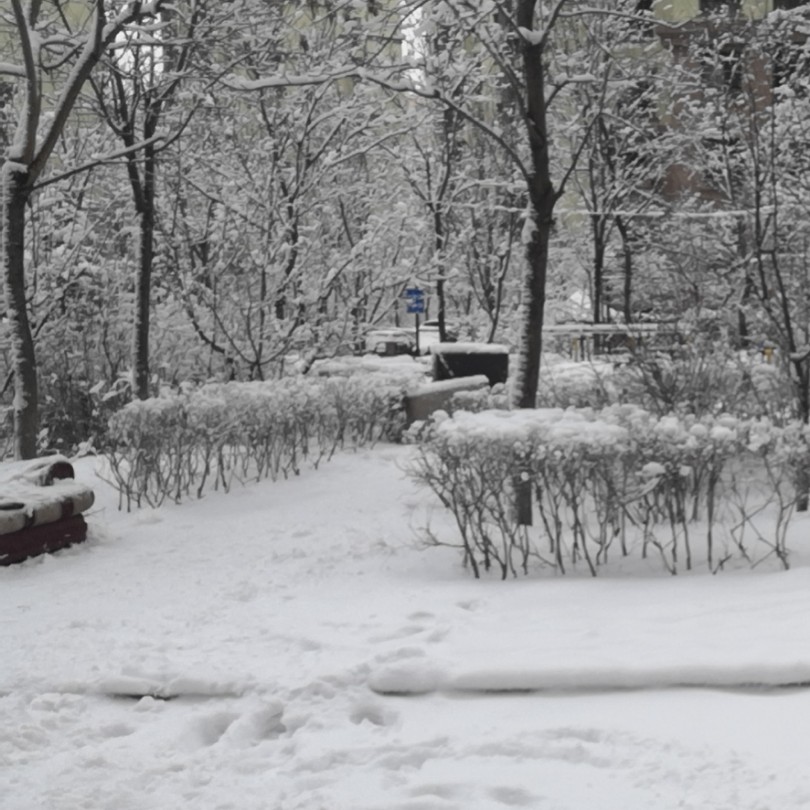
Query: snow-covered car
x=389, y=341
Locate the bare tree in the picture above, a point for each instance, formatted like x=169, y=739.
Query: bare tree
x=136, y=97
x=50, y=54
x=511, y=52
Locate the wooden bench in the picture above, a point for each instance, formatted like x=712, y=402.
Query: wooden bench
x=41, y=508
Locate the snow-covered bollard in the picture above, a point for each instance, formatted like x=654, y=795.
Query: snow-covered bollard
x=41, y=508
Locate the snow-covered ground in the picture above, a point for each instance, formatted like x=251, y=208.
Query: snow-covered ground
x=298, y=648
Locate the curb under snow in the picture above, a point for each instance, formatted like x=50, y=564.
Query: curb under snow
x=414, y=678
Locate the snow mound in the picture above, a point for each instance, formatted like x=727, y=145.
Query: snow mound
x=420, y=678
x=406, y=678
x=166, y=688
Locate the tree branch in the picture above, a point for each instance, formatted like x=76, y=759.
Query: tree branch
x=25, y=140
x=101, y=36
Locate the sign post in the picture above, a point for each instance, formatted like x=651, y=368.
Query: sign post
x=416, y=305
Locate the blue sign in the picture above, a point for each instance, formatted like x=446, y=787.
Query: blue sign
x=416, y=300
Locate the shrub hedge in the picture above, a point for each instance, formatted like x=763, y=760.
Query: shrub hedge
x=175, y=445
x=620, y=481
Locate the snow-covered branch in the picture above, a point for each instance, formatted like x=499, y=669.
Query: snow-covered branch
x=10, y=69
x=102, y=34
x=103, y=160
x=25, y=137
x=435, y=94
x=291, y=80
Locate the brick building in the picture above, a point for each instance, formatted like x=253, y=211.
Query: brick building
x=715, y=42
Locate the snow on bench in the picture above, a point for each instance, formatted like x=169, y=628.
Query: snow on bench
x=41, y=507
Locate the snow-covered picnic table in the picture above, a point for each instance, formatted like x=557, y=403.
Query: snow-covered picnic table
x=41, y=506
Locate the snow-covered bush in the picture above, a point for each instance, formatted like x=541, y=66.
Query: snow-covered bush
x=566, y=384
x=706, y=381
x=703, y=380
x=620, y=481
x=473, y=467
x=171, y=446
x=782, y=457
x=483, y=399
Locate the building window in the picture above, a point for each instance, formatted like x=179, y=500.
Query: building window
x=723, y=64
x=728, y=7
x=731, y=64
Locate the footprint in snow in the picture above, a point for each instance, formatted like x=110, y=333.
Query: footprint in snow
x=210, y=729
x=261, y=724
x=371, y=711
x=402, y=632
x=240, y=730
x=429, y=803
x=441, y=789
x=514, y=797
x=114, y=730
x=421, y=621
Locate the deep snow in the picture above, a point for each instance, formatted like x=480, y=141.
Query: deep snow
x=317, y=656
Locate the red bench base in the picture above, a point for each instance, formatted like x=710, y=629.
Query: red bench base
x=18, y=546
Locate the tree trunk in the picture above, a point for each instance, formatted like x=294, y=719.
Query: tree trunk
x=438, y=247
x=34, y=141
x=627, y=254
x=143, y=286
x=533, y=303
x=536, y=236
x=598, y=227
x=537, y=230
x=802, y=375
x=15, y=194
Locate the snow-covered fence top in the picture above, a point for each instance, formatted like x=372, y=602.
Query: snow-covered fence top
x=449, y=386
x=423, y=400
x=468, y=348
